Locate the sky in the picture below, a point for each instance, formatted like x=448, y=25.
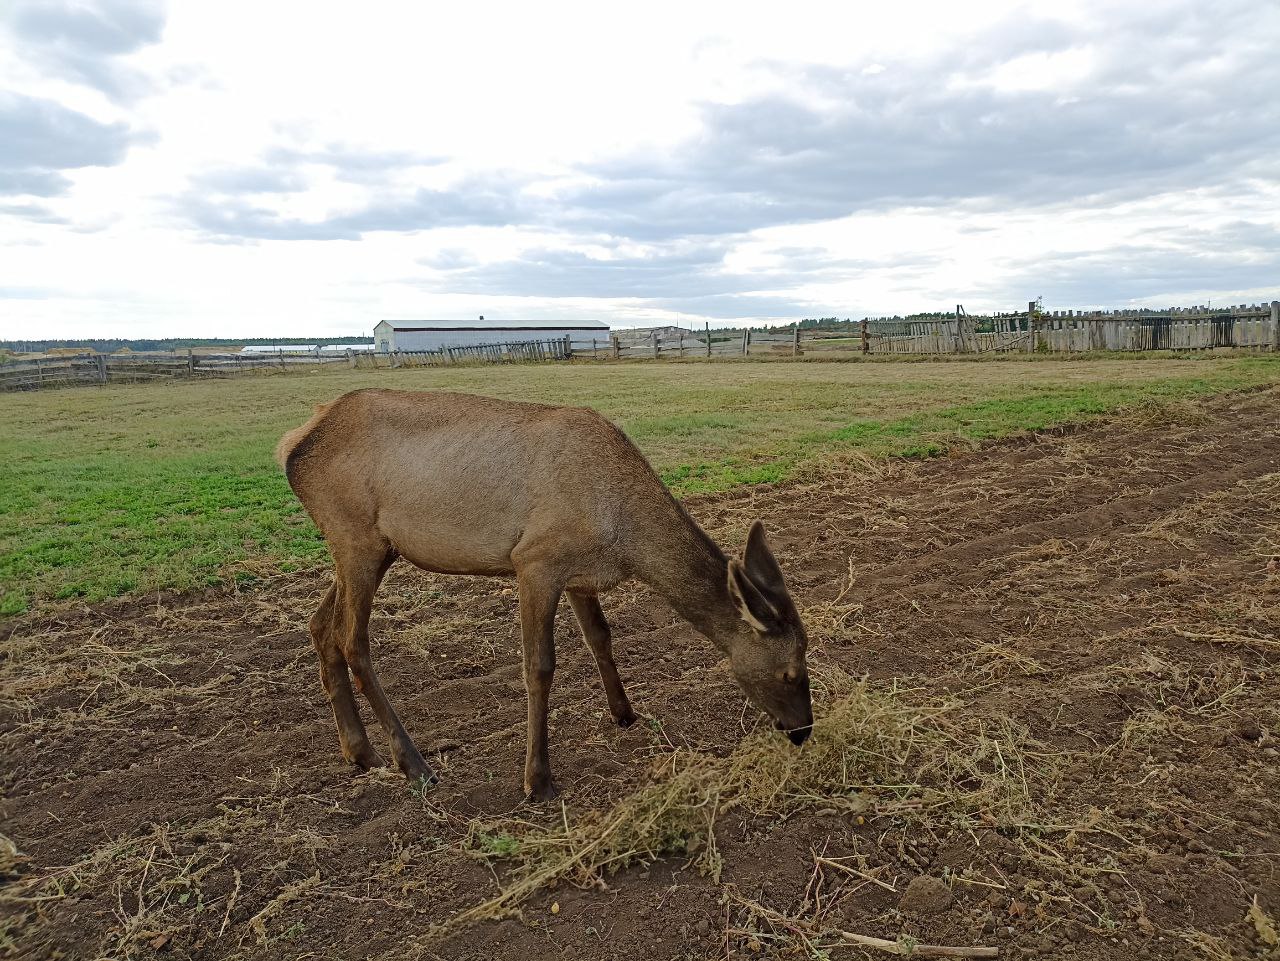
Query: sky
x=242, y=169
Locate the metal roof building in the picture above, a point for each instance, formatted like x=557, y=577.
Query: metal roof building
x=391, y=335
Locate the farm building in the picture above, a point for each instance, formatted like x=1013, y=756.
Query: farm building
x=434, y=334
x=300, y=348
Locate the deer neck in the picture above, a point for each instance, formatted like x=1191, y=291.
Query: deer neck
x=691, y=573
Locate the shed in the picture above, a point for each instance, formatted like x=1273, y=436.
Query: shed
x=391, y=335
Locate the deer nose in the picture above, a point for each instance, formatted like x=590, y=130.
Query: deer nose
x=799, y=735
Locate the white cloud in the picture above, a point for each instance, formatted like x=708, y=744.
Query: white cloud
x=294, y=168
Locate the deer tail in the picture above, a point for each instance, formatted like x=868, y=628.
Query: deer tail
x=290, y=441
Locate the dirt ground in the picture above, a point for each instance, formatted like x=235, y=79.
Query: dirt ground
x=1098, y=609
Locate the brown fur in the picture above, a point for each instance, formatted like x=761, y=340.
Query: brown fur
x=291, y=438
x=557, y=497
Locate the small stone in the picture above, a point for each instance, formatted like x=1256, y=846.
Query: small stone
x=703, y=927
x=1249, y=729
x=926, y=895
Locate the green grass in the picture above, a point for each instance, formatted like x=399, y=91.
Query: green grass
x=130, y=488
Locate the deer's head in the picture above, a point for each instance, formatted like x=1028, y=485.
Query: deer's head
x=767, y=651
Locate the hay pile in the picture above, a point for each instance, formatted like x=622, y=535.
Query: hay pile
x=873, y=753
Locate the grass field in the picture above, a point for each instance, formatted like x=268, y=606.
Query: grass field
x=121, y=489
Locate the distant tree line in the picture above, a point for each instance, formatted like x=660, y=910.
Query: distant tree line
x=109, y=344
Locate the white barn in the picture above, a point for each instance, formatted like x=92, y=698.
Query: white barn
x=391, y=335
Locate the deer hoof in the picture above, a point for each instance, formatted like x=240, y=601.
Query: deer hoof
x=365, y=758
x=625, y=720
x=545, y=791
x=417, y=771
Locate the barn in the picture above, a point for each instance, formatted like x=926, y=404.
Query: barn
x=391, y=335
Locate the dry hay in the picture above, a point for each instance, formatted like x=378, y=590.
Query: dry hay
x=874, y=753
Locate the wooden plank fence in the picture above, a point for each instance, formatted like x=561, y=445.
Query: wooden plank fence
x=89, y=368
x=677, y=342
x=1033, y=331
x=519, y=352
x=64, y=371
x=1038, y=331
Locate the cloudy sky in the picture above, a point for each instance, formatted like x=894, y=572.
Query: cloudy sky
x=279, y=168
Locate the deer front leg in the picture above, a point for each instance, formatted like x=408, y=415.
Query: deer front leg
x=595, y=630
x=539, y=596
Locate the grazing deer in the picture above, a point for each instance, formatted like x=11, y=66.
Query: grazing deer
x=557, y=496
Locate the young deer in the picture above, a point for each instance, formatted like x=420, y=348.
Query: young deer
x=557, y=496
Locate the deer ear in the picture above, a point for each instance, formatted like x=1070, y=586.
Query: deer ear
x=760, y=564
x=753, y=606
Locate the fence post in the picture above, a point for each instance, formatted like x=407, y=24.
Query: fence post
x=595, y=355
x=746, y=341
x=617, y=346
x=866, y=337
x=962, y=332
x=102, y=368
x=1275, y=325
x=708, y=323
x=1031, y=327
x=795, y=342
x=682, y=343
x=655, y=344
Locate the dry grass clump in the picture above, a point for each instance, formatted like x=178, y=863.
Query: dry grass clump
x=152, y=884
x=1167, y=413
x=52, y=681
x=877, y=752
x=175, y=886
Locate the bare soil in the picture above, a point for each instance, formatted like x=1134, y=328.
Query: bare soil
x=172, y=785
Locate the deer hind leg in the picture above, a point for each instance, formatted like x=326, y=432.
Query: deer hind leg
x=361, y=575
x=352, y=738
x=539, y=595
x=595, y=629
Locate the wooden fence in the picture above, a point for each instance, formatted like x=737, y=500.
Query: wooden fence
x=520, y=352
x=671, y=342
x=1031, y=331
x=65, y=371
x=1038, y=331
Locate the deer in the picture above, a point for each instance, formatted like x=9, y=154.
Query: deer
x=558, y=497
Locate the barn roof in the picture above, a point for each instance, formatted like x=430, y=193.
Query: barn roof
x=496, y=324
